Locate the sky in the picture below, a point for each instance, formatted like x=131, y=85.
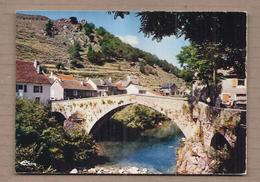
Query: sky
x=126, y=29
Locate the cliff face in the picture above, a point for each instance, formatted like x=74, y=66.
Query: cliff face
x=195, y=156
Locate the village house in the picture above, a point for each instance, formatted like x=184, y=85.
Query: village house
x=104, y=87
x=168, y=89
x=67, y=87
x=135, y=89
x=31, y=83
x=233, y=92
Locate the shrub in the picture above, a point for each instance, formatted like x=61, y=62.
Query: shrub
x=74, y=50
x=74, y=20
x=49, y=28
x=60, y=66
x=42, y=143
x=94, y=57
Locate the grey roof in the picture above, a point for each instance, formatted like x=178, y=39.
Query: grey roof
x=168, y=85
x=102, y=82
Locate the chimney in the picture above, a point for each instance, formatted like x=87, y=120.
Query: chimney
x=110, y=79
x=82, y=83
x=35, y=64
x=38, y=69
x=51, y=76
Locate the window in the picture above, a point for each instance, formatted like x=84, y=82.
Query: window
x=37, y=89
x=142, y=91
x=241, y=82
x=19, y=87
x=75, y=93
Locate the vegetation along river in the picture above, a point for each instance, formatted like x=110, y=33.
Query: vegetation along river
x=127, y=141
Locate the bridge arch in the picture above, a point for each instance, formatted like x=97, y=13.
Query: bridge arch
x=96, y=124
x=58, y=116
x=94, y=109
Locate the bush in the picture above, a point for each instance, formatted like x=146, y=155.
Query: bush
x=49, y=28
x=74, y=50
x=73, y=20
x=60, y=66
x=139, y=117
x=142, y=67
x=42, y=143
x=88, y=28
x=94, y=57
x=76, y=64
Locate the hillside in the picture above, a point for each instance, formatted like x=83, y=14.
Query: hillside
x=110, y=56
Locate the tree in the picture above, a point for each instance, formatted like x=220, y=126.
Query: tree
x=49, y=28
x=202, y=63
x=142, y=67
x=228, y=30
x=88, y=28
x=94, y=57
x=74, y=20
x=41, y=140
x=101, y=31
x=74, y=50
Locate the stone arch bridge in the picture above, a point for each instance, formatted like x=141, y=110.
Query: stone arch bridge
x=190, y=121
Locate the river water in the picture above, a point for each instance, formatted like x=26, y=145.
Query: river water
x=156, y=151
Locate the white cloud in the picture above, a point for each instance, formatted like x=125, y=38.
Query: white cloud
x=130, y=39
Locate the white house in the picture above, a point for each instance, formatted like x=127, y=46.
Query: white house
x=233, y=90
x=67, y=87
x=135, y=89
x=31, y=83
x=57, y=91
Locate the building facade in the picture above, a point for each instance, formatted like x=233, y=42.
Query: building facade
x=31, y=83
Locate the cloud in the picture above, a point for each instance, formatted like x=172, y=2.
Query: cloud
x=130, y=39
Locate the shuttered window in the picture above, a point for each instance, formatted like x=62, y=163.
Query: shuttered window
x=234, y=82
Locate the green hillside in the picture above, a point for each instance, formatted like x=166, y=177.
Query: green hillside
x=79, y=48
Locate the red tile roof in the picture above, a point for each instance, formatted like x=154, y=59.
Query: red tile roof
x=26, y=73
x=65, y=77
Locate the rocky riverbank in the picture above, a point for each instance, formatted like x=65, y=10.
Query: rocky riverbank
x=114, y=169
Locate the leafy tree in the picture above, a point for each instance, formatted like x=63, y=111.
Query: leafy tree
x=49, y=28
x=88, y=28
x=142, y=67
x=202, y=63
x=227, y=30
x=74, y=50
x=94, y=57
x=74, y=20
x=42, y=141
x=101, y=31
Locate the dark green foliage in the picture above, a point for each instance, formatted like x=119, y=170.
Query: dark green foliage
x=95, y=57
x=88, y=28
x=142, y=67
x=49, y=28
x=101, y=31
x=42, y=141
x=226, y=30
x=139, y=117
x=60, y=66
x=74, y=20
x=76, y=64
x=74, y=51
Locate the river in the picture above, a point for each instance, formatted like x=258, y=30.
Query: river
x=154, y=150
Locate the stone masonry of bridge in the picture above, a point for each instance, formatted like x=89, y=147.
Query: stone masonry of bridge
x=190, y=121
